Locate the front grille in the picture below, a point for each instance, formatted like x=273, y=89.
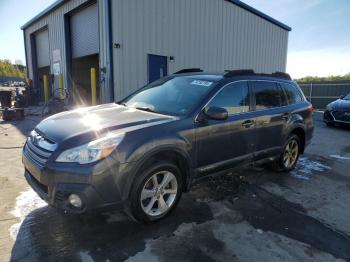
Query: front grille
x=38, y=149
x=341, y=116
x=60, y=196
x=36, y=154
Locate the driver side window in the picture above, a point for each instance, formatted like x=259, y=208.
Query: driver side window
x=234, y=98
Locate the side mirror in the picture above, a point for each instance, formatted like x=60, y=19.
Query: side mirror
x=216, y=113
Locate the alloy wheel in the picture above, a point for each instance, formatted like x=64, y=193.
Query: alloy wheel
x=290, y=155
x=159, y=193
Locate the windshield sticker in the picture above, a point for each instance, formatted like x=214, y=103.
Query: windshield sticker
x=201, y=83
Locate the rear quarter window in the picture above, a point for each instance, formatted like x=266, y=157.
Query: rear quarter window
x=292, y=93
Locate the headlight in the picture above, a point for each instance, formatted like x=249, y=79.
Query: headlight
x=92, y=151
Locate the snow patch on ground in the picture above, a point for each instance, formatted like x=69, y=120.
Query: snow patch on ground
x=26, y=202
x=306, y=167
x=85, y=257
x=340, y=157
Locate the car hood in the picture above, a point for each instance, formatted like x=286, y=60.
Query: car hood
x=96, y=121
x=341, y=105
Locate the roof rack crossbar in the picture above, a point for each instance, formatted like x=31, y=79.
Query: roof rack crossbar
x=231, y=73
x=188, y=70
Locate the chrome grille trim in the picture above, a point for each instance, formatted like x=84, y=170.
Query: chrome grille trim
x=38, y=149
x=42, y=142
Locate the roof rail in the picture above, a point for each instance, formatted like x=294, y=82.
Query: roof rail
x=188, y=70
x=282, y=75
x=231, y=73
x=251, y=72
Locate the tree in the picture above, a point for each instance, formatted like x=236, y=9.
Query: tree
x=310, y=79
x=10, y=70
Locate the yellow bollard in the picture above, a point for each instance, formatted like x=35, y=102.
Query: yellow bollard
x=60, y=86
x=93, y=85
x=46, y=88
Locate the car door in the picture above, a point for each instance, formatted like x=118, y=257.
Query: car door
x=270, y=117
x=223, y=143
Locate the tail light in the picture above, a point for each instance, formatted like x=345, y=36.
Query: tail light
x=310, y=108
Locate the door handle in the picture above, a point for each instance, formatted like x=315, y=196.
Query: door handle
x=248, y=123
x=286, y=116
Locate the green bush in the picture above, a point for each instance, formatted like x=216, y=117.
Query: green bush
x=310, y=79
x=8, y=69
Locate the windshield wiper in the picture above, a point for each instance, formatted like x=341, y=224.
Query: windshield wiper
x=122, y=104
x=144, y=108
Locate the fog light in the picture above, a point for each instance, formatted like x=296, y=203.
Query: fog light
x=75, y=200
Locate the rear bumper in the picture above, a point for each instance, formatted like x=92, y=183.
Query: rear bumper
x=96, y=185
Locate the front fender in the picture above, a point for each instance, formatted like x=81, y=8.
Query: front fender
x=144, y=153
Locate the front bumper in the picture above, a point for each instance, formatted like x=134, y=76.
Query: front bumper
x=97, y=185
x=333, y=116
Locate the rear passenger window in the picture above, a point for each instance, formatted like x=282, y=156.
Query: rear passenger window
x=267, y=95
x=233, y=97
x=292, y=93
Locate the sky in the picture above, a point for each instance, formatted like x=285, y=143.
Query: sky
x=14, y=14
x=319, y=43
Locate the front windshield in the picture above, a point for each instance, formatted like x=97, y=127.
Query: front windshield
x=176, y=96
x=347, y=97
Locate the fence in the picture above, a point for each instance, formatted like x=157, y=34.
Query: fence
x=321, y=94
x=10, y=78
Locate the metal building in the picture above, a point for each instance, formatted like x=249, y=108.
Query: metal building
x=133, y=42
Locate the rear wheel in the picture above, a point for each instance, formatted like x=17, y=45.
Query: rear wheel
x=156, y=192
x=289, y=156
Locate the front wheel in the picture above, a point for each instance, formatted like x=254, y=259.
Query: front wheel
x=156, y=192
x=289, y=156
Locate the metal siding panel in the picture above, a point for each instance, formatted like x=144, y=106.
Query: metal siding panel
x=84, y=32
x=211, y=34
x=42, y=48
x=55, y=23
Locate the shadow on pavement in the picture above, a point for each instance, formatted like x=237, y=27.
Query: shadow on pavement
x=49, y=235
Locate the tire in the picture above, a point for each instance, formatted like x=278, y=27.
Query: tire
x=281, y=164
x=156, y=203
x=329, y=124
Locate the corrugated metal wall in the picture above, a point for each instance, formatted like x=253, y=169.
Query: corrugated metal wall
x=211, y=34
x=55, y=23
x=42, y=46
x=84, y=32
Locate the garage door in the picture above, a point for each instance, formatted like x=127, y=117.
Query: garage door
x=84, y=32
x=42, y=48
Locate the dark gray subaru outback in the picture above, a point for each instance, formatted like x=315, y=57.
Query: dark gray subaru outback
x=141, y=153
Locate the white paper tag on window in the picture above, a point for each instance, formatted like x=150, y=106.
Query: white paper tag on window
x=201, y=83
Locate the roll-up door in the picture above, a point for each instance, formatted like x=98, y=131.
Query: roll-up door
x=84, y=32
x=42, y=48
